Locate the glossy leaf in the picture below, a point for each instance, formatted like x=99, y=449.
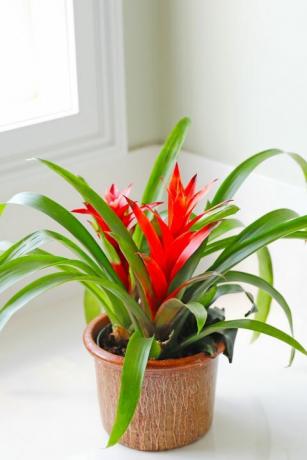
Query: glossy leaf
x=112, y=220
x=215, y=215
x=92, y=306
x=136, y=357
x=264, y=299
x=170, y=309
x=249, y=324
x=227, y=225
x=237, y=253
x=32, y=290
x=167, y=312
x=265, y=286
x=264, y=223
x=199, y=312
x=162, y=167
x=16, y=270
x=242, y=249
x=228, y=241
x=69, y=222
x=234, y=180
x=37, y=239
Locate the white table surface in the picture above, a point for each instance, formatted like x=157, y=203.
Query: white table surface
x=49, y=409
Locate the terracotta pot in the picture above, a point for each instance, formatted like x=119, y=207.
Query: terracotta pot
x=176, y=405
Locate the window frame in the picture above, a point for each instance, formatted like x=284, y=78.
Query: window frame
x=100, y=126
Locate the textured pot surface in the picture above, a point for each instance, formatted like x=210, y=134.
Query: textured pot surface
x=176, y=405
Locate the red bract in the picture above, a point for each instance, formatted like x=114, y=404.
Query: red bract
x=171, y=244
x=117, y=202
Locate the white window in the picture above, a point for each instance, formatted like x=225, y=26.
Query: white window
x=61, y=79
x=38, y=62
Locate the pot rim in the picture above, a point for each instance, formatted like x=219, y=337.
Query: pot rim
x=92, y=329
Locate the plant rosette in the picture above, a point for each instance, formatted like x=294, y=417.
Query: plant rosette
x=155, y=328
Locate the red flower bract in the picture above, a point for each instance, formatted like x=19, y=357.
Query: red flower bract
x=118, y=203
x=171, y=244
x=117, y=200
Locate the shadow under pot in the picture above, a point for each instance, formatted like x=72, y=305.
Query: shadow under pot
x=176, y=404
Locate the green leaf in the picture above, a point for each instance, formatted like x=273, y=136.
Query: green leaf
x=264, y=223
x=248, y=245
x=228, y=336
x=92, y=306
x=265, y=230
x=206, y=298
x=266, y=287
x=134, y=367
x=167, y=312
x=171, y=308
x=15, y=270
x=235, y=179
x=301, y=162
x=37, y=239
x=249, y=324
x=112, y=220
x=200, y=313
x=32, y=290
x=115, y=311
x=224, y=227
x=155, y=350
x=68, y=221
x=225, y=242
x=219, y=245
x=264, y=299
x=162, y=168
x=213, y=215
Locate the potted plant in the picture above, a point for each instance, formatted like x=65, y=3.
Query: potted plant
x=154, y=329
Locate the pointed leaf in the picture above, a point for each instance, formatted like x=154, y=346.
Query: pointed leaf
x=92, y=306
x=264, y=299
x=162, y=167
x=68, y=221
x=266, y=287
x=200, y=313
x=37, y=239
x=224, y=227
x=249, y=324
x=215, y=215
x=112, y=220
x=135, y=362
x=235, y=179
x=140, y=321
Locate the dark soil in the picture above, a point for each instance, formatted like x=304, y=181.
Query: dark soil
x=107, y=341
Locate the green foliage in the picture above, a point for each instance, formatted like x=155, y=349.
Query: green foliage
x=92, y=306
x=264, y=299
x=162, y=168
x=135, y=362
x=152, y=256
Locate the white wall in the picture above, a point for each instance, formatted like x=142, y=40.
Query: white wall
x=142, y=58
x=237, y=68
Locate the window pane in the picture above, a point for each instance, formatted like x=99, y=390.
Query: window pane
x=38, y=79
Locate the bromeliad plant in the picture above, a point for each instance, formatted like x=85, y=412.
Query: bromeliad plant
x=142, y=268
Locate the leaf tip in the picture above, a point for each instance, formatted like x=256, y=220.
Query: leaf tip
x=2, y=208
